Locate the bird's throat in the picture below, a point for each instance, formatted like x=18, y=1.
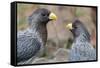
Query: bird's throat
x=40, y=32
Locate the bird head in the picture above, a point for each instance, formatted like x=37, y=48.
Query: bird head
x=42, y=16
x=75, y=25
x=77, y=28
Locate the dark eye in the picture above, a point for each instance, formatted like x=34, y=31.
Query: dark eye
x=43, y=14
x=74, y=26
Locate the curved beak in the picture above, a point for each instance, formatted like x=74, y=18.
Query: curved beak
x=69, y=26
x=52, y=16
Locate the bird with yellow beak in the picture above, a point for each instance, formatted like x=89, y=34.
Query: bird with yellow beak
x=31, y=43
x=81, y=49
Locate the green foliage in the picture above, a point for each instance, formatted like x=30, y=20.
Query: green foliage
x=69, y=43
x=22, y=23
x=79, y=13
x=44, y=54
x=23, y=10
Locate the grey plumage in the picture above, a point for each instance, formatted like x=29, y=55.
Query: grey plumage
x=81, y=50
x=30, y=42
x=26, y=49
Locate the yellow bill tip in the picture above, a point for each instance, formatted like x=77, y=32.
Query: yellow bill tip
x=69, y=26
x=52, y=16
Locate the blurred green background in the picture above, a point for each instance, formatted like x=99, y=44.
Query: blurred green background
x=59, y=38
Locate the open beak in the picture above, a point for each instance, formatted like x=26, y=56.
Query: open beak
x=52, y=16
x=69, y=26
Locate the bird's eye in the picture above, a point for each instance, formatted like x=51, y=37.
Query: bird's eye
x=43, y=14
x=74, y=27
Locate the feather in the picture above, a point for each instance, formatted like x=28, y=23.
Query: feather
x=81, y=50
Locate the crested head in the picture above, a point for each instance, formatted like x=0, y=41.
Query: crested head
x=79, y=30
x=38, y=20
x=41, y=16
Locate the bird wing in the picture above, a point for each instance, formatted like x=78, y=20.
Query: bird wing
x=27, y=47
x=82, y=51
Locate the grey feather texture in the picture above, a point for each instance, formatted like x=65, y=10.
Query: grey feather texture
x=30, y=46
x=30, y=42
x=81, y=50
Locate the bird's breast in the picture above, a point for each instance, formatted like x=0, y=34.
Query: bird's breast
x=42, y=34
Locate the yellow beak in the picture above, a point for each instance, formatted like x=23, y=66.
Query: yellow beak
x=69, y=26
x=52, y=16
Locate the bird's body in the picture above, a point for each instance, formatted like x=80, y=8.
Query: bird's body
x=81, y=50
x=30, y=43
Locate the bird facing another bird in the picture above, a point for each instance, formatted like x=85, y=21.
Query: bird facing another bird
x=30, y=43
x=81, y=50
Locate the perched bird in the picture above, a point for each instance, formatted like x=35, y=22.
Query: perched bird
x=81, y=49
x=31, y=41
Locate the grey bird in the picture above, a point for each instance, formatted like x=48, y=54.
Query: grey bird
x=81, y=49
x=30, y=42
